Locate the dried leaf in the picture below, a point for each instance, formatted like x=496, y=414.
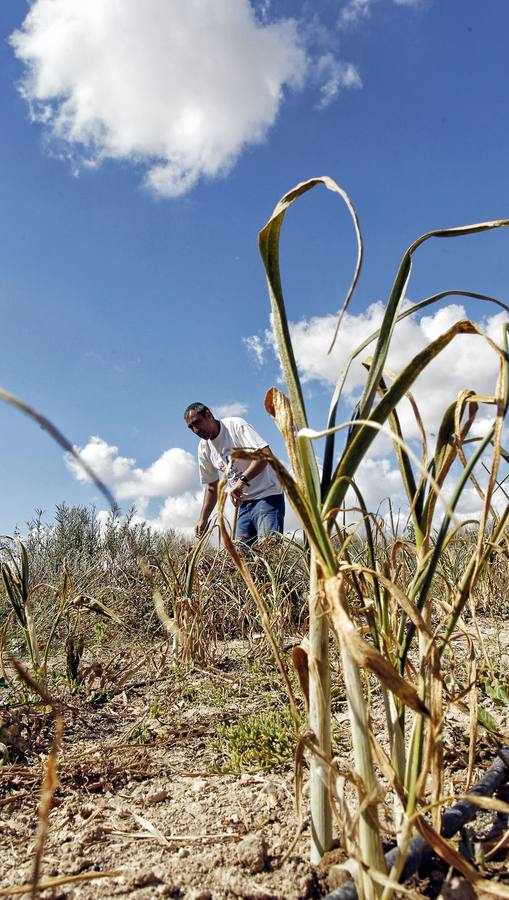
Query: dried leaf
x=366, y=655
x=278, y=406
x=445, y=850
x=58, y=882
x=151, y=828
x=300, y=664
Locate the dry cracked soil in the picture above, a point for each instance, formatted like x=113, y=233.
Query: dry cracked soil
x=147, y=802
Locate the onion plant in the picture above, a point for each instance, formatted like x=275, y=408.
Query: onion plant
x=15, y=577
x=187, y=623
x=409, y=631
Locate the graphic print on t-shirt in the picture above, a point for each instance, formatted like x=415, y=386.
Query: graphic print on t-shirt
x=223, y=461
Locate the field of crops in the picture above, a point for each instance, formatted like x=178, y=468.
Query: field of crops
x=175, y=769
x=295, y=719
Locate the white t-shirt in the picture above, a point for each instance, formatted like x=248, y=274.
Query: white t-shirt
x=214, y=457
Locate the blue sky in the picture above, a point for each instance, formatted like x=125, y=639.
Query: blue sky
x=129, y=271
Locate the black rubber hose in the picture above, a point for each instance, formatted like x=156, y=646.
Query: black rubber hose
x=452, y=820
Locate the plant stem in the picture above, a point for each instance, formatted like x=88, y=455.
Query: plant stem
x=370, y=842
x=369, y=834
x=319, y=717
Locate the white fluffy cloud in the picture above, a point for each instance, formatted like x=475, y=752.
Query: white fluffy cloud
x=181, y=88
x=230, y=409
x=178, y=89
x=178, y=513
x=172, y=480
x=467, y=363
x=174, y=473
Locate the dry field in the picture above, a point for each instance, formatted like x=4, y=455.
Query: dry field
x=175, y=777
x=165, y=690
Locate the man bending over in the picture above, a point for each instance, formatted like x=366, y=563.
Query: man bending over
x=253, y=486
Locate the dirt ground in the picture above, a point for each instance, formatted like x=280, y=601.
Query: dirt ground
x=138, y=796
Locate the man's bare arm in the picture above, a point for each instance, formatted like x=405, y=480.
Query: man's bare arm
x=209, y=502
x=255, y=467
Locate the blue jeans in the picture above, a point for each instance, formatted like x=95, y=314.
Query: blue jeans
x=258, y=518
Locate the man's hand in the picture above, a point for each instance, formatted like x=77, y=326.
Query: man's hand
x=236, y=492
x=209, y=502
x=201, y=528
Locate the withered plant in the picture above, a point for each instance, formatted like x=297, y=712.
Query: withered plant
x=398, y=635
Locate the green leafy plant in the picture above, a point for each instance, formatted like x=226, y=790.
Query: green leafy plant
x=142, y=733
x=190, y=629
x=15, y=577
x=154, y=710
x=497, y=692
x=255, y=743
x=403, y=652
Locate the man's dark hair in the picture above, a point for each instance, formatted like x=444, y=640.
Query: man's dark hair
x=200, y=408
